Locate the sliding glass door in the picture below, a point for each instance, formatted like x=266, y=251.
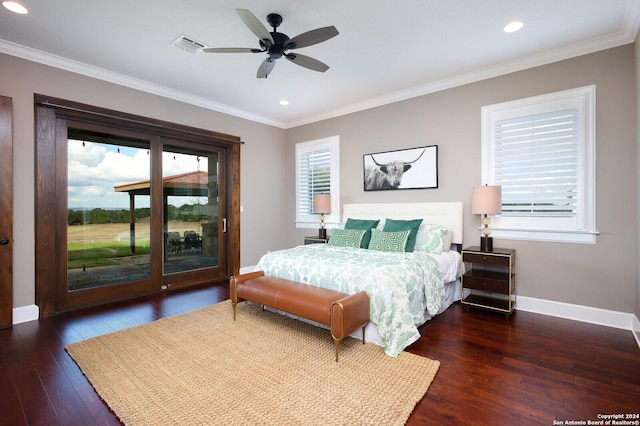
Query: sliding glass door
x=108, y=228
x=191, y=208
x=142, y=215
x=127, y=205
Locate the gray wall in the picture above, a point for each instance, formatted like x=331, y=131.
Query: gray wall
x=637, y=64
x=601, y=275
x=264, y=145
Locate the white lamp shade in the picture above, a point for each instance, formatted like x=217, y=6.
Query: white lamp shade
x=322, y=203
x=486, y=200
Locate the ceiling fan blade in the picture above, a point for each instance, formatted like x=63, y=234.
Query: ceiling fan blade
x=265, y=67
x=254, y=25
x=307, y=62
x=231, y=50
x=312, y=37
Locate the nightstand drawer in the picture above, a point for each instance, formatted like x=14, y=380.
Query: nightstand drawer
x=486, y=284
x=315, y=240
x=485, y=259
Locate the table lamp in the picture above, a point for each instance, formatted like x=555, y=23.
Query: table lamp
x=486, y=200
x=322, y=205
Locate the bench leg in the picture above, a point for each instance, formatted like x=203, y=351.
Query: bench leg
x=337, y=342
x=233, y=304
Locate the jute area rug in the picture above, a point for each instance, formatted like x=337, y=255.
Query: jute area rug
x=203, y=368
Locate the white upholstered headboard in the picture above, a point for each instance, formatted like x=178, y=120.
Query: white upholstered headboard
x=447, y=214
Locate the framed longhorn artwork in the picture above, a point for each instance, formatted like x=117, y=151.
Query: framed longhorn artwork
x=410, y=168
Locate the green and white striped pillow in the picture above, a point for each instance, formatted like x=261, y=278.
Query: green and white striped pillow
x=346, y=237
x=388, y=241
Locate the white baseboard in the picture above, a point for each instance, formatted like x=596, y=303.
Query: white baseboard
x=248, y=269
x=615, y=319
x=588, y=314
x=636, y=329
x=581, y=313
x=25, y=313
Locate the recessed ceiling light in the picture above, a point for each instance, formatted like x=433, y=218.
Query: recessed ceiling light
x=513, y=26
x=284, y=102
x=15, y=7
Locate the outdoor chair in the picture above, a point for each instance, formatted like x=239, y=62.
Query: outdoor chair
x=192, y=241
x=174, y=244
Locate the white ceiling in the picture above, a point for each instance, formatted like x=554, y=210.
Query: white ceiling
x=386, y=50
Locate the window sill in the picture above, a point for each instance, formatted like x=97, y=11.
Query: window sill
x=578, y=237
x=315, y=225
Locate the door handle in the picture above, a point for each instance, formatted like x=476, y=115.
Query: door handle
x=224, y=224
x=4, y=241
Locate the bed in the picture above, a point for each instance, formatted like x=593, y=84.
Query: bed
x=406, y=288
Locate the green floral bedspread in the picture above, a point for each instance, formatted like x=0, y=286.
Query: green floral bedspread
x=401, y=286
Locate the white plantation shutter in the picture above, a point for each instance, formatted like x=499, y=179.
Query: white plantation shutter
x=536, y=164
x=541, y=151
x=317, y=172
x=314, y=177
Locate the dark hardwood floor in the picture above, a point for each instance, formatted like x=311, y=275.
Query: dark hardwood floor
x=528, y=369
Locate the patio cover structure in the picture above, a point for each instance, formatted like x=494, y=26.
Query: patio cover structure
x=191, y=184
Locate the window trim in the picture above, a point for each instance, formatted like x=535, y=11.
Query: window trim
x=582, y=228
x=313, y=220
x=53, y=118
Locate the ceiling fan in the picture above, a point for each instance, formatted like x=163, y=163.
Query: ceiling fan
x=278, y=44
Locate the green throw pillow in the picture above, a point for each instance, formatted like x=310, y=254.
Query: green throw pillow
x=393, y=225
x=362, y=224
x=346, y=237
x=388, y=241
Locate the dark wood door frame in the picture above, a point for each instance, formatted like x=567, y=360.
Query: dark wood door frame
x=6, y=217
x=52, y=116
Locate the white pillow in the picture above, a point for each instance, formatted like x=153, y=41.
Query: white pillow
x=433, y=239
x=448, y=241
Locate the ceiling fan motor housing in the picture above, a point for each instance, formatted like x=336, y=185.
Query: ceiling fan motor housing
x=279, y=46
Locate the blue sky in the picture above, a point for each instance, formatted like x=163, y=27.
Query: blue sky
x=96, y=168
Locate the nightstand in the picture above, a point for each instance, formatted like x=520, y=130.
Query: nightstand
x=315, y=240
x=490, y=279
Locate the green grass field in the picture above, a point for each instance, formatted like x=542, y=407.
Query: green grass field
x=100, y=253
x=93, y=245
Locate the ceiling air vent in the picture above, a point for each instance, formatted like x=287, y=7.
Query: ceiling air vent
x=189, y=44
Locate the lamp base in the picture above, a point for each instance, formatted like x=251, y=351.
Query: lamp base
x=322, y=233
x=486, y=244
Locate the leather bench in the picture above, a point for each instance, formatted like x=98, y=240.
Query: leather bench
x=343, y=313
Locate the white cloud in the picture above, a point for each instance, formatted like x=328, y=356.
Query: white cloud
x=174, y=164
x=95, y=169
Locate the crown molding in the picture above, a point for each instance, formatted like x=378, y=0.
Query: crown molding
x=626, y=35
x=60, y=62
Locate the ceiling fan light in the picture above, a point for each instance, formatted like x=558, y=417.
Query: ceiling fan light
x=15, y=7
x=513, y=26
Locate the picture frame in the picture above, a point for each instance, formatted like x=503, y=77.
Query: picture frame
x=411, y=168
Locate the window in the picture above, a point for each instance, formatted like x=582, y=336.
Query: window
x=317, y=172
x=541, y=151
